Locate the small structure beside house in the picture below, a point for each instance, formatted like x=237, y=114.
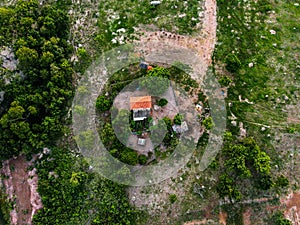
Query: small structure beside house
x=141, y=107
x=142, y=141
x=199, y=107
x=144, y=65
x=180, y=128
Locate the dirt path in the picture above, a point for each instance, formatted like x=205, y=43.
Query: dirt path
x=21, y=189
x=155, y=198
x=152, y=43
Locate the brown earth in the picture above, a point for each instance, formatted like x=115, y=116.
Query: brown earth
x=292, y=207
x=21, y=186
x=222, y=218
x=247, y=216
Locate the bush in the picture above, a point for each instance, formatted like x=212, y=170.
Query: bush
x=178, y=119
x=278, y=219
x=129, y=156
x=103, y=103
x=225, y=81
x=233, y=64
x=162, y=102
x=142, y=159
x=208, y=123
x=282, y=181
x=172, y=198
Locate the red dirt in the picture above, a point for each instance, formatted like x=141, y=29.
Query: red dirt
x=20, y=187
x=247, y=216
x=292, y=207
x=222, y=218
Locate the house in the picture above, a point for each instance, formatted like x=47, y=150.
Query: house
x=141, y=107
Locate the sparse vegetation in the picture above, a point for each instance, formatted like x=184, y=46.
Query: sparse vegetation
x=256, y=63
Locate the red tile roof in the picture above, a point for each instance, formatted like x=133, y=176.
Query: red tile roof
x=142, y=102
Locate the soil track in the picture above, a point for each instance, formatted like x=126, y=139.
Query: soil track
x=202, y=45
x=292, y=207
x=21, y=189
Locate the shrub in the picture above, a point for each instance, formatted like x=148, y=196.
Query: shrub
x=162, y=102
x=103, y=103
x=282, y=181
x=225, y=81
x=178, y=119
x=172, y=198
x=233, y=64
x=142, y=159
x=208, y=123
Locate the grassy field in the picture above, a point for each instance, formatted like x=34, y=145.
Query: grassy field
x=118, y=22
x=258, y=49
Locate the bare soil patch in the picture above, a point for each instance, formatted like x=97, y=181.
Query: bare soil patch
x=21, y=189
x=222, y=218
x=247, y=216
x=292, y=207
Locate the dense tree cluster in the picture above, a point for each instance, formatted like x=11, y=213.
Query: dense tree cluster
x=157, y=81
x=73, y=194
x=243, y=159
x=115, y=147
x=35, y=106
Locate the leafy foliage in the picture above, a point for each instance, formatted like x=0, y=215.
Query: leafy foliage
x=162, y=102
x=278, y=219
x=103, y=103
x=36, y=105
x=208, y=123
x=72, y=193
x=172, y=198
x=156, y=82
x=243, y=159
x=178, y=119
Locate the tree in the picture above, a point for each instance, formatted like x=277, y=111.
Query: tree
x=162, y=102
x=142, y=159
x=156, y=86
x=121, y=126
x=27, y=57
x=178, y=119
x=233, y=64
x=129, y=156
x=227, y=188
x=208, y=123
x=159, y=72
x=281, y=181
x=264, y=182
x=103, y=103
